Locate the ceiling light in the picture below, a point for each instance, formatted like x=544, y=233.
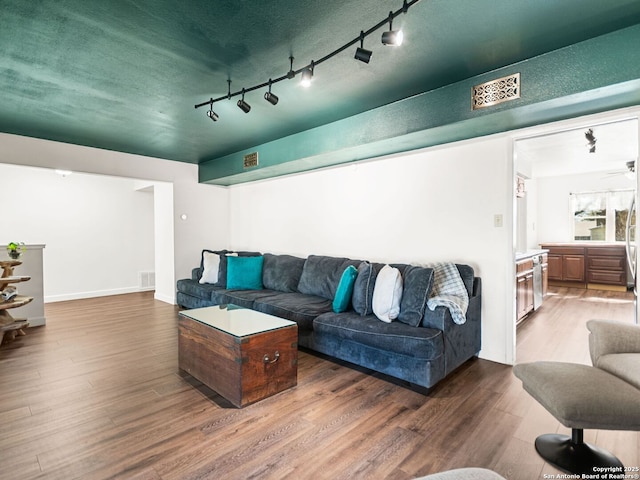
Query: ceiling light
x=591, y=140
x=211, y=114
x=392, y=37
x=363, y=54
x=307, y=76
x=270, y=97
x=244, y=106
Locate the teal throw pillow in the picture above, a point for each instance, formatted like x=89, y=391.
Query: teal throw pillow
x=342, y=298
x=244, y=273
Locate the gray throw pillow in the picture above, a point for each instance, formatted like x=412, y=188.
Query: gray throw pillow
x=282, y=272
x=416, y=289
x=362, y=298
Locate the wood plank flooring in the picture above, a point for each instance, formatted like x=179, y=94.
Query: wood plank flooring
x=97, y=394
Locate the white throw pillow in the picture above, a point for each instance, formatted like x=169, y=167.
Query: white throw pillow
x=387, y=294
x=210, y=264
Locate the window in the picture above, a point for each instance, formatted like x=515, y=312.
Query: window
x=601, y=216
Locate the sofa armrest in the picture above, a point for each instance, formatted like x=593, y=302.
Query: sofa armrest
x=608, y=337
x=440, y=318
x=196, y=273
x=461, y=342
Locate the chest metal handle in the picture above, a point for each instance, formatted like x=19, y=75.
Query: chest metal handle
x=266, y=359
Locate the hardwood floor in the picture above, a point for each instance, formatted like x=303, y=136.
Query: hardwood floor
x=97, y=394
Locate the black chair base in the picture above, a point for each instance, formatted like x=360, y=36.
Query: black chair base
x=572, y=455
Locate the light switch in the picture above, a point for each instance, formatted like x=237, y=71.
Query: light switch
x=497, y=220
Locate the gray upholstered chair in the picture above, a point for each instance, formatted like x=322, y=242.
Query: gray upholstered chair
x=605, y=396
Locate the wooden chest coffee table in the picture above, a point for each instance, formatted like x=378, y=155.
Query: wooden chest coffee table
x=242, y=354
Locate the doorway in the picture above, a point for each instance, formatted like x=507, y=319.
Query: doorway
x=586, y=156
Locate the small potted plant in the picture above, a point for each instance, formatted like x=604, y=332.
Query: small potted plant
x=15, y=249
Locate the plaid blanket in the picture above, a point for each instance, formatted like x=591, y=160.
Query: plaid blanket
x=449, y=291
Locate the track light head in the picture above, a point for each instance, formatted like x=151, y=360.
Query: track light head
x=392, y=37
x=362, y=53
x=244, y=106
x=211, y=114
x=307, y=76
x=270, y=97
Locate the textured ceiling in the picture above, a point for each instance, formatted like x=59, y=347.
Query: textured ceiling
x=125, y=75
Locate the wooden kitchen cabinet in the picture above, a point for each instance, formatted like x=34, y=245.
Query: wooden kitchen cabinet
x=587, y=266
x=566, y=265
x=607, y=266
x=524, y=288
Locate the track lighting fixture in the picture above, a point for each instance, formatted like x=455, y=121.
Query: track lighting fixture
x=363, y=54
x=244, y=106
x=392, y=37
x=211, y=114
x=307, y=76
x=270, y=97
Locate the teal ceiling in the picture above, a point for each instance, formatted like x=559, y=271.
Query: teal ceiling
x=125, y=75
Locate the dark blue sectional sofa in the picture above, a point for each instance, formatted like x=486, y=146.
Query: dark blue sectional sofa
x=421, y=347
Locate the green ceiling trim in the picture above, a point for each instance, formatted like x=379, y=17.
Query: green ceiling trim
x=589, y=77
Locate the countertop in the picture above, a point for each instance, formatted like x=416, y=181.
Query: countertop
x=529, y=254
x=584, y=244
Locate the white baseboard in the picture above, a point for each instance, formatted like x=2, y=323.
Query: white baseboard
x=37, y=321
x=92, y=294
x=170, y=299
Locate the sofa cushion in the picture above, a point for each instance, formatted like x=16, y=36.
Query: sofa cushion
x=222, y=270
x=193, y=288
x=222, y=258
x=244, y=273
x=297, y=307
x=417, y=283
x=362, y=298
x=242, y=298
x=321, y=275
x=387, y=294
x=342, y=300
x=210, y=265
x=282, y=272
x=395, y=337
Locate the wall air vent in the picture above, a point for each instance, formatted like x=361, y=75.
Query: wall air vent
x=146, y=280
x=496, y=91
x=251, y=160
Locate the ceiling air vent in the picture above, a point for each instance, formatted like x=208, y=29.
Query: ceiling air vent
x=251, y=160
x=496, y=91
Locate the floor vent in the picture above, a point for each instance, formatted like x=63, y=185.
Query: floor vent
x=147, y=280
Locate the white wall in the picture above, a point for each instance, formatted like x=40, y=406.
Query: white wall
x=553, y=208
x=433, y=205
x=98, y=230
x=207, y=205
